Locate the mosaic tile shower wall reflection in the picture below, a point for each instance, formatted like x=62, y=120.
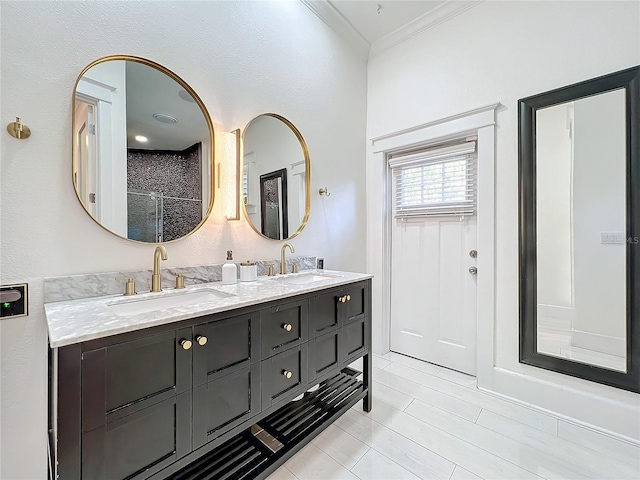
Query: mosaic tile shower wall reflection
x=164, y=194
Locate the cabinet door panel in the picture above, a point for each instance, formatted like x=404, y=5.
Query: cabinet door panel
x=138, y=444
x=324, y=312
x=232, y=344
x=324, y=354
x=356, y=306
x=354, y=339
x=225, y=402
x=125, y=377
x=274, y=323
x=275, y=383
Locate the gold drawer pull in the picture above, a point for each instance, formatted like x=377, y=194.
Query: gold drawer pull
x=287, y=373
x=185, y=344
x=202, y=340
x=342, y=299
x=348, y=297
x=287, y=327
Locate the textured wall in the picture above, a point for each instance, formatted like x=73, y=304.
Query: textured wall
x=243, y=59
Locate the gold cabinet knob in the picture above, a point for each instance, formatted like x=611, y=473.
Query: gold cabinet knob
x=185, y=344
x=287, y=327
x=348, y=297
x=287, y=373
x=201, y=339
x=343, y=299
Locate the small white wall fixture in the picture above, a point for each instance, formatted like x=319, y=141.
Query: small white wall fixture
x=479, y=122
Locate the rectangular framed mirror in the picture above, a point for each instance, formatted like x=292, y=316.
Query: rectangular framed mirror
x=579, y=154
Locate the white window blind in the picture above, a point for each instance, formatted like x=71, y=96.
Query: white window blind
x=437, y=181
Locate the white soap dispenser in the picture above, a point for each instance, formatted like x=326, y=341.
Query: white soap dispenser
x=229, y=270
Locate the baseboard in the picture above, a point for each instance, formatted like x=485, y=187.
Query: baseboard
x=600, y=343
x=615, y=418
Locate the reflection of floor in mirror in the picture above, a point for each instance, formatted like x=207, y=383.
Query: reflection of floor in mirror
x=556, y=341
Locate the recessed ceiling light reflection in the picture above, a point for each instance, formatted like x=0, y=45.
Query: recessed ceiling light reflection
x=141, y=138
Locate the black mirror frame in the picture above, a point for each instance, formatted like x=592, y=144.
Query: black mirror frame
x=527, y=107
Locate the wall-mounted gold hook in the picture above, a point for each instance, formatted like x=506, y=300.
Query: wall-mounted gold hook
x=324, y=191
x=18, y=129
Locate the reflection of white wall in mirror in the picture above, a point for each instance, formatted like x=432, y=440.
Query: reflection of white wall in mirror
x=554, y=217
x=270, y=145
x=599, y=204
x=105, y=85
x=299, y=170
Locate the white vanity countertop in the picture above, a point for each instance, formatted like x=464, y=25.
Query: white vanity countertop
x=77, y=321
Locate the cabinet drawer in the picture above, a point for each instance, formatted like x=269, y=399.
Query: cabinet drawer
x=223, y=403
x=276, y=383
x=231, y=344
x=284, y=326
x=324, y=353
x=140, y=443
x=354, y=339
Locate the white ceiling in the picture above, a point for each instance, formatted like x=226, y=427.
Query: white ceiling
x=394, y=14
x=150, y=91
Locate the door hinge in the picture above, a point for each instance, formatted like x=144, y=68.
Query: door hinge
x=92, y=198
x=92, y=129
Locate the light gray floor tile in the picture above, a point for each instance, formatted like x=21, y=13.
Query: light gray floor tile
x=521, y=414
x=436, y=398
x=461, y=474
x=282, y=474
x=375, y=466
x=403, y=451
x=526, y=457
x=600, y=465
x=595, y=441
x=341, y=446
x=443, y=444
x=311, y=463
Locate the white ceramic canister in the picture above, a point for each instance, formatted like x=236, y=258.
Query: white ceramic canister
x=248, y=271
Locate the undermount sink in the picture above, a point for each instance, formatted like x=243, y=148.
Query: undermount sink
x=170, y=300
x=305, y=278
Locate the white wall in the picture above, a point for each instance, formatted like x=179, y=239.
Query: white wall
x=500, y=52
x=243, y=59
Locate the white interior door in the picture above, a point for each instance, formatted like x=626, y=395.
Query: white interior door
x=433, y=291
x=86, y=155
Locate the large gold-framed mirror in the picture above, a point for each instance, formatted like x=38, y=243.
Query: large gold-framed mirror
x=276, y=176
x=143, y=150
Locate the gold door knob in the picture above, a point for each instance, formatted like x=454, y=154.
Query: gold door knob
x=201, y=339
x=287, y=373
x=185, y=344
x=348, y=297
x=287, y=327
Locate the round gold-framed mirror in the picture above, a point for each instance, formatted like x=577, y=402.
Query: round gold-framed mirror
x=143, y=150
x=276, y=177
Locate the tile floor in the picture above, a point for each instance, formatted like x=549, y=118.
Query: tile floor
x=431, y=422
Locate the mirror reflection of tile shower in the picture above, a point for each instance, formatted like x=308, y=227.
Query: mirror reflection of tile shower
x=164, y=194
x=581, y=221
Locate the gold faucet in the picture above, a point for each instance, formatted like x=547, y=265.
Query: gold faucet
x=283, y=265
x=156, y=279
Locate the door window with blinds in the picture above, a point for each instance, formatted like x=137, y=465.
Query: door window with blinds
x=437, y=181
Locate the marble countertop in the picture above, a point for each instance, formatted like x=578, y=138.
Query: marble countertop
x=75, y=321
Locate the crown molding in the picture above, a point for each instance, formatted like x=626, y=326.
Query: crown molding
x=432, y=18
x=326, y=12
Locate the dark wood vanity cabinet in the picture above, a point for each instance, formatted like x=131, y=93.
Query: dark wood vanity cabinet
x=135, y=413
x=147, y=403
